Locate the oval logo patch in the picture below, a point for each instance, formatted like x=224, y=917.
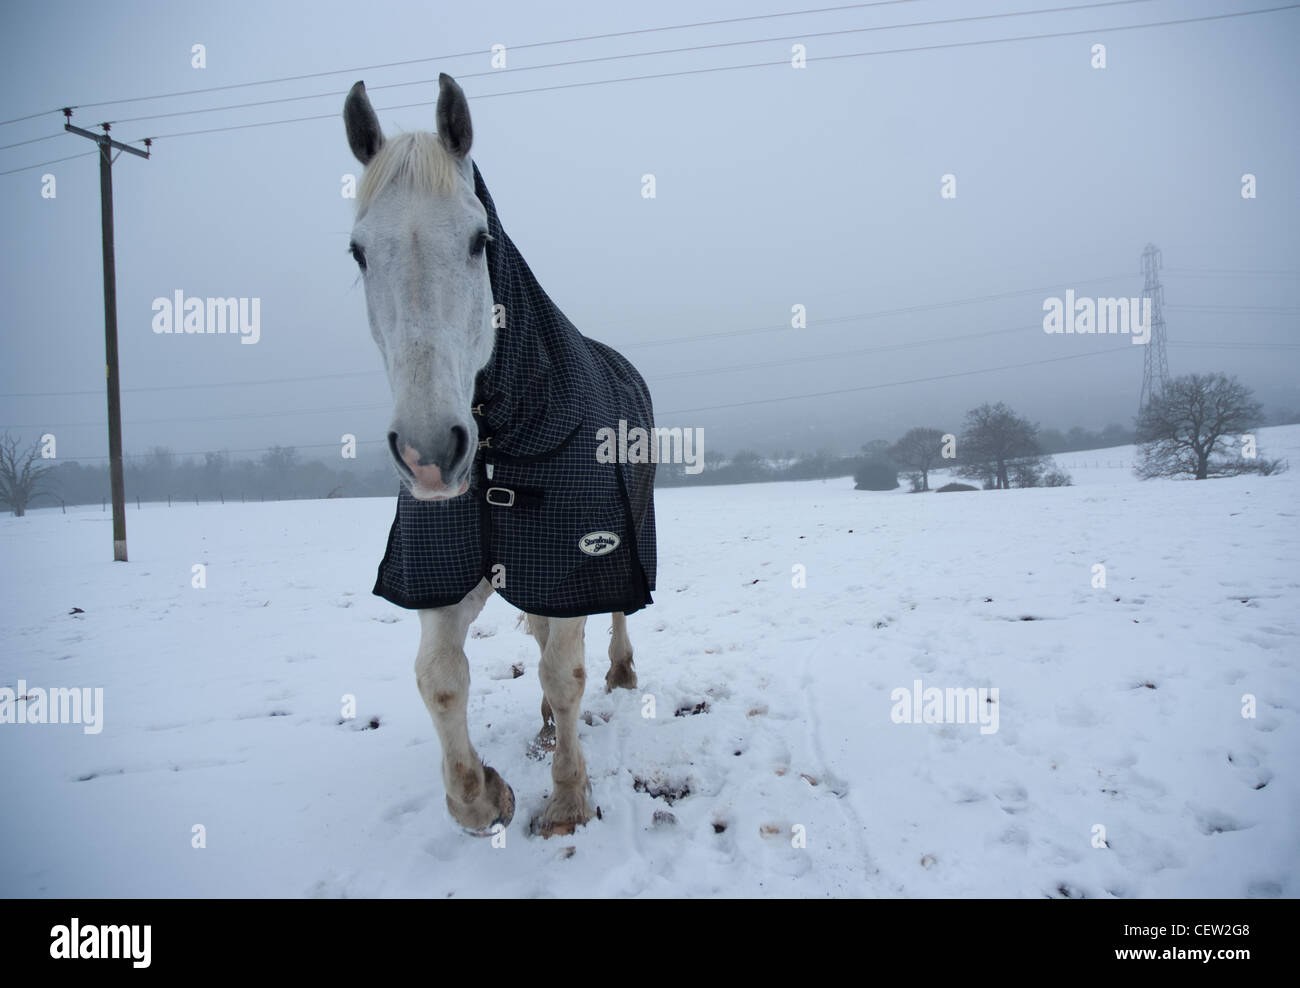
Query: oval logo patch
x=598, y=543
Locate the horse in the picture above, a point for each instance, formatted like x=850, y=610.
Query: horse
x=504, y=483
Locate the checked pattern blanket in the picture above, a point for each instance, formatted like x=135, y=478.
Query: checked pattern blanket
x=555, y=531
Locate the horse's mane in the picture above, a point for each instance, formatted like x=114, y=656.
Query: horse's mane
x=415, y=158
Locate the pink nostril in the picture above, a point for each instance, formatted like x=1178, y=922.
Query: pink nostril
x=428, y=476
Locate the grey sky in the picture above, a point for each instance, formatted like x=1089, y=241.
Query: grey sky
x=775, y=187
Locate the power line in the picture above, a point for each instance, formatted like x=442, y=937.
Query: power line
x=468, y=54
x=705, y=372
x=34, y=140
x=27, y=168
x=753, y=65
x=278, y=413
x=1222, y=273
x=191, y=387
x=786, y=328
x=722, y=68
x=1229, y=309
x=894, y=384
x=258, y=449
x=760, y=401
x=1238, y=346
x=645, y=343
x=641, y=54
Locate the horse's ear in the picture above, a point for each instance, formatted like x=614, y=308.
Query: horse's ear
x=364, y=136
x=454, y=129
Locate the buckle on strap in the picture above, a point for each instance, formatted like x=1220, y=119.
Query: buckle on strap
x=507, y=502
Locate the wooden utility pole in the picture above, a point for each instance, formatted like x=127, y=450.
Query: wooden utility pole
x=106, y=146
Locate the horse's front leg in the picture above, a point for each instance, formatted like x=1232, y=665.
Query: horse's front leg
x=477, y=797
x=564, y=677
x=622, y=672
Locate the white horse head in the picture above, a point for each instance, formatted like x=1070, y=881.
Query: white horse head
x=420, y=239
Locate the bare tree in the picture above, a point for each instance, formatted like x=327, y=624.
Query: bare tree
x=1188, y=427
x=920, y=450
x=995, y=437
x=20, y=475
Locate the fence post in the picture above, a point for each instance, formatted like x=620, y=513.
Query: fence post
x=169, y=500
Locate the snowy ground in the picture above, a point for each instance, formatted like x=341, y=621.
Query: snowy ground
x=1119, y=707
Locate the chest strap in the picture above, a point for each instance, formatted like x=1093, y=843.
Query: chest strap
x=509, y=497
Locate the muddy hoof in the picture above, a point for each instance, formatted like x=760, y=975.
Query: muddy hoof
x=565, y=812
x=495, y=806
x=620, y=677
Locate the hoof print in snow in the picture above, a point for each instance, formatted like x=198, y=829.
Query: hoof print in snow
x=1146, y=683
x=662, y=819
x=76, y=610
x=1213, y=822
x=686, y=710
x=1064, y=891
x=928, y=861
x=516, y=670
x=658, y=788
x=361, y=725
x=719, y=826
x=95, y=775
x=808, y=778
x=589, y=718
x=568, y=852
x=770, y=830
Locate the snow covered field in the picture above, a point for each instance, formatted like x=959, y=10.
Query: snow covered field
x=1119, y=707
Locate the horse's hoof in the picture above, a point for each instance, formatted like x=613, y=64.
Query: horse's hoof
x=502, y=795
x=622, y=677
x=495, y=805
x=564, y=813
x=502, y=821
x=543, y=744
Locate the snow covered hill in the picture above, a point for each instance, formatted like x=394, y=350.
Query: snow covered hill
x=775, y=761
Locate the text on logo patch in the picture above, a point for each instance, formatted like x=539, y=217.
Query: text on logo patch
x=598, y=543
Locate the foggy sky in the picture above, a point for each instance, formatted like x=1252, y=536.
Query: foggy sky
x=775, y=186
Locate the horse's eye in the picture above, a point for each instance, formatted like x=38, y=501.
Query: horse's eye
x=358, y=254
x=479, y=243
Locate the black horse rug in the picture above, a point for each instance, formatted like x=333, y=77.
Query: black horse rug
x=556, y=525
